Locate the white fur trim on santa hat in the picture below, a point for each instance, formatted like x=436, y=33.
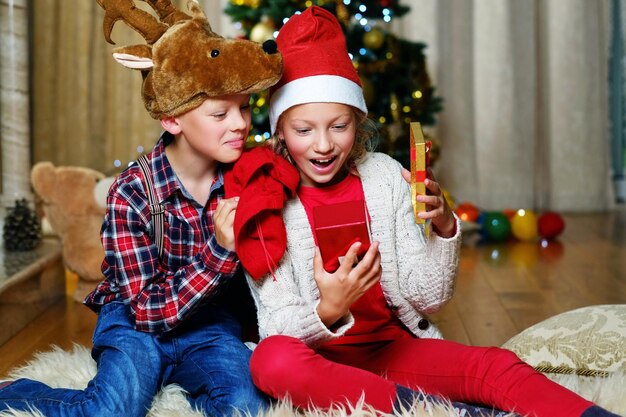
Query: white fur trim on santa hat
x=315, y=89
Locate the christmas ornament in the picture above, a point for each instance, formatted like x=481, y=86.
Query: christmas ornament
x=22, y=230
x=524, y=225
x=342, y=12
x=509, y=213
x=246, y=3
x=262, y=31
x=496, y=226
x=467, y=212
x=550, y=225
x=374, y=39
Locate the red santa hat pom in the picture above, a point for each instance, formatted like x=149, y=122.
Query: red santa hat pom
x=317, y=67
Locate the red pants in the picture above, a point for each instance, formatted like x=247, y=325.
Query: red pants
x=284, y=367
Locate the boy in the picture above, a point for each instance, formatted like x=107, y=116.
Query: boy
x=163, y=313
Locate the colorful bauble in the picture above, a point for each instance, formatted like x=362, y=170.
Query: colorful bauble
x=374, y=39
x=496, y=226
x=509, y=213
x=342, y=13
x=262, y=31
x=550, y=225
x=247, y=3
x=524, y=225
x=467, y=212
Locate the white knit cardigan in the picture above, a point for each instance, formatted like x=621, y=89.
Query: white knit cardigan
x=418, y=272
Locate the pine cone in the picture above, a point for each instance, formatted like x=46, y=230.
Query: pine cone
x=22, y=230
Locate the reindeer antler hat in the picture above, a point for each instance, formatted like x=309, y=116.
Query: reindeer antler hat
x=184, y=61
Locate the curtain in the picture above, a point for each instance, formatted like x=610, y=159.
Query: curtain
x=525, y=120
x=87, y=108
x=617, y=99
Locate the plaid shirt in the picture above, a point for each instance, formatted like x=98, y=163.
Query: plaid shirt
x=193, y=265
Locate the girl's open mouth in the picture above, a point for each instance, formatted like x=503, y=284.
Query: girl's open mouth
x=322, y=163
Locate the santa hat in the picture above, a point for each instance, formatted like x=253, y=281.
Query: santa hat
x=317, y=67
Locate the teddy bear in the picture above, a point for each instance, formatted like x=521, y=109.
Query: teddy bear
x=73, y=206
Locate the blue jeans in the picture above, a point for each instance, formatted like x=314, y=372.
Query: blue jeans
x=205, y=356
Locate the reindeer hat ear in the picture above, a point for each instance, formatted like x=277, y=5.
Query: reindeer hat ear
x=184, y=61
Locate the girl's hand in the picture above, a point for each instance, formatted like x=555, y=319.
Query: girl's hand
x=339, y=290
x=437, y=208
x=224, y=218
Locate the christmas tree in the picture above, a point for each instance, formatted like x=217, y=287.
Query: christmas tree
x=396, y=84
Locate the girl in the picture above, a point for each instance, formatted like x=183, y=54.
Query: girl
x=330, y=337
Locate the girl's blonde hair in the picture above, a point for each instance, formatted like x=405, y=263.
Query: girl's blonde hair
x=364, y=140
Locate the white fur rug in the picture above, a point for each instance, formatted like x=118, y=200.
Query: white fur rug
x=73, y=369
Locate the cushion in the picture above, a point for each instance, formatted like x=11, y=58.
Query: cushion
x=589, y=341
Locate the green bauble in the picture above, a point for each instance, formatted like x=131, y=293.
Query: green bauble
x=496, y=226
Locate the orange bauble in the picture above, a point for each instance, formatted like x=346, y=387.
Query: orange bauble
x=467, y=212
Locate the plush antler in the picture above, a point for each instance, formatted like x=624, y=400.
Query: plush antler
x=141, y=21
x=184, y=61
x=167, y=12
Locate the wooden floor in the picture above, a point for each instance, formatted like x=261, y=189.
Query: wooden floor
x=501, y=289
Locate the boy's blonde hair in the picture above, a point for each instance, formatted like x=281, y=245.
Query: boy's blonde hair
x=364, y=140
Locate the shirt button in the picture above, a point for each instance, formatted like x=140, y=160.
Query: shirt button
x=423, y=324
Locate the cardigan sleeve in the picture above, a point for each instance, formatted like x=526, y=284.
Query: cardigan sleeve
x=282, y=309
x=427, y=266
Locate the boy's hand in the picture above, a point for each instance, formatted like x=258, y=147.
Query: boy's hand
x=437, y=208
x=224, y=218
x=339, y=290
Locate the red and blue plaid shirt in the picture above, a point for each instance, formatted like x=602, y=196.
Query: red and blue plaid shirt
x=161, y=293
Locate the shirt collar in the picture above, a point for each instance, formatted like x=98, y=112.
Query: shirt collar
x=165, y=180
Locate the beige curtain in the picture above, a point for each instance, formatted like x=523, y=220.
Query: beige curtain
x=87, y=109
x=525, y=87
x=524, y=83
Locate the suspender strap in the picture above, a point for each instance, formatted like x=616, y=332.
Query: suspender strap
x=156, y=209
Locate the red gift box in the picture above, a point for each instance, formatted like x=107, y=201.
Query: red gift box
x=337, y=227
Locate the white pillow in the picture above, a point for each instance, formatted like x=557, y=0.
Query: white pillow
x=588, y=341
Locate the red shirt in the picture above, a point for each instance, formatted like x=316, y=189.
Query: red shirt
x=374, y=321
